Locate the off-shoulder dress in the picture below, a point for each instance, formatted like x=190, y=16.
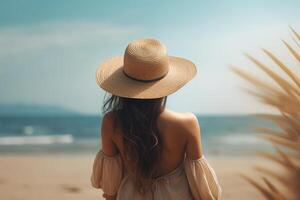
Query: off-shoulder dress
x=191, y=180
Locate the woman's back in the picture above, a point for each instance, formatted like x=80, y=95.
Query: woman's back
x=183, y=172
x=176, y=129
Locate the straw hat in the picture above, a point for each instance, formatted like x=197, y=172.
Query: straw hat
x=145, y=71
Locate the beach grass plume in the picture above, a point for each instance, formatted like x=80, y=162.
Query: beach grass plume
x=283, y=94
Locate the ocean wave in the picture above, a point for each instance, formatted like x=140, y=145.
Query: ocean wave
x=241, y=139
x=28, y=130
x=37, y=140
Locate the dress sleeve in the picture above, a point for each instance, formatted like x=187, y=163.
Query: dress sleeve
x=107, y=173
x=202, y=179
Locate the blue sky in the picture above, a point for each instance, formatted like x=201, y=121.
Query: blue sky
x=49, y=50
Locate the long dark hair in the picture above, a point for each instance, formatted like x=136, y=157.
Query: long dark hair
x=137, y=119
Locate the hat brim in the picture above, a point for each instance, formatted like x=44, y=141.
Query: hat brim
x=111, y=78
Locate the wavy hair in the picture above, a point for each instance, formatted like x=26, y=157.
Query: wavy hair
x=137, y=120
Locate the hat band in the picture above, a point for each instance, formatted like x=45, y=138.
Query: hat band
x=149, y=80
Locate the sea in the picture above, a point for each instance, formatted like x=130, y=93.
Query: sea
x=221, y=135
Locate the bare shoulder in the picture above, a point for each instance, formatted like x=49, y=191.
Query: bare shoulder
x=189, y=118
x=187, y=126
x=107, y=119
x=107, y=134
x=107, y=127
x=182, y=120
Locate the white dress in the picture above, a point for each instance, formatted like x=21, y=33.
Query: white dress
x=192, y=180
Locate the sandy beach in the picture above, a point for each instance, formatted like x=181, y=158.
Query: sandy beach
x=62, y=177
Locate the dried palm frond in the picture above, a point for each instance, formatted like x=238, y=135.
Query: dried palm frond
x=283, y=95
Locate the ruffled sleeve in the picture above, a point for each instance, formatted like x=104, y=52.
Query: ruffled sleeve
x=107, y=173
x=202, y=179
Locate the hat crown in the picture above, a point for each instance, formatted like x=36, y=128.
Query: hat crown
x=146, y=60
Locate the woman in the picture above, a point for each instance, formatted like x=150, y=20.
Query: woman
x=148, y=151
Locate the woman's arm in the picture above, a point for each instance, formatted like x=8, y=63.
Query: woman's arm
x=194, y=147
x=201, y=177
x=108, y=146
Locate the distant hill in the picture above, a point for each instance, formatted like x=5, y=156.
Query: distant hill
x=34, y=110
